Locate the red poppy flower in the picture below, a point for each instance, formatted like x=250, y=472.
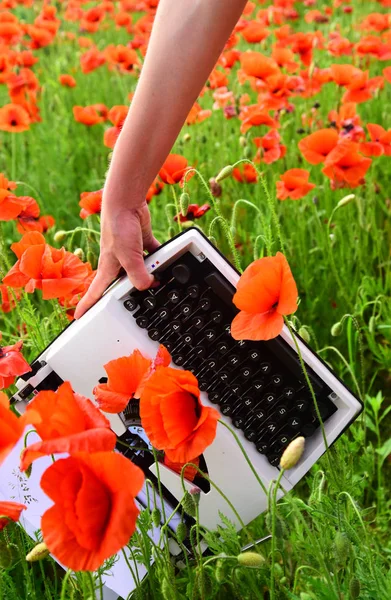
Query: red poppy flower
x=344, y=164
x=257, y=65
x=7, y=301
x=270, y=148
x=39, y=266
x=245, y=174
x=343, y=75
x=90, y=203
x=265, y=293
x=10, y=511
x=14, y=118
x=189, y=473
x=154, y=189
x=174, y=169
x=86, y=115
x=362, y=88
x=126, y=378
x=12, y=364
x=91, y=60
x=68, y=423
x=254, y=116
x=94, y=513
x=174, y=418
x=316, y=146
x=197, y=114
x=387, y=74
x=10, y=205
x=5, y=184
x=67, y=81
x=11, y=426
x=380, y=141
x=294, y=184
x=193, y=212
x=255, y=32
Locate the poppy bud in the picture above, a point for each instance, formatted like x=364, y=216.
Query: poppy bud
x=224, y=173
x=242, y=141
x=60, y=236
x=341, y=548
x=39, y=552
x=305, y=596
x=345, y=200
x=186, y=137
x=171, y=232
x=336, y=329
x=181, y=532
x=167, y=590
x=184, y=202
x=204, y=582
x=170, y=211
x=247, y=152
x=79, y=252
x=372, y=324
x=156, y=517
x=188, y=504
x=215, y=188
x=221, y=571
x=292, y=454
x=304, y=334
x=251, y=559
x=283, y=580
x=354, y=588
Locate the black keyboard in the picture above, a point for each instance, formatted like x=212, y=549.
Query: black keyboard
x=260, y=386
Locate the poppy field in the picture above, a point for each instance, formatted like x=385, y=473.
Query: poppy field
x=284, y=162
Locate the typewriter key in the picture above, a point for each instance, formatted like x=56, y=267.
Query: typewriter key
x=149, y=302
x=193, y=291
x=142, y=322
x=174, y=296
x=277, y=380
x=131, y=304
x=181, y=273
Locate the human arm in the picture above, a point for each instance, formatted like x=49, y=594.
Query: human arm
x=186, y=41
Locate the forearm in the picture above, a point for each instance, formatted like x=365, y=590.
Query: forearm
x=186, y=41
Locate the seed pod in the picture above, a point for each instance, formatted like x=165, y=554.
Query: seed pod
x=251, y=559
x=156, y=517
x=181, y=532
x=336, y=329
x=341, y=548
x=354, y=588
x=60, y=236
x=224, y=173
x=39, y=552
x=184, y=201
x=79, y=252
x=293, y=453
x=305, y=334
x=188, y=504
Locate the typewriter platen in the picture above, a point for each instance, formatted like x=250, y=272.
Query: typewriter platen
x=258, y=387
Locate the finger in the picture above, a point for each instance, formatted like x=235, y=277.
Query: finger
x=101, y=281
x=133, y=263
x=151, y=243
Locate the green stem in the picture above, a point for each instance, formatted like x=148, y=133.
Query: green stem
x=273, y=510
x=64, y=584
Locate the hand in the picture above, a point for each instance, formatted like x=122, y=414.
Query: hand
x=126, y=233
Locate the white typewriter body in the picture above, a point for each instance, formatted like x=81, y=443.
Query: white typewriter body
x=108, y=331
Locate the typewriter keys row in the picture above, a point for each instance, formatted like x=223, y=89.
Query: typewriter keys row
x=258, y=385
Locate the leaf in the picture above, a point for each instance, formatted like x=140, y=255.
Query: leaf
x=385, y=450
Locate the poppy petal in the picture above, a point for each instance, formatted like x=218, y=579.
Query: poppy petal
x=250, y=326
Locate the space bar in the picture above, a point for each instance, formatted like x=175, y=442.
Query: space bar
x=221, y=287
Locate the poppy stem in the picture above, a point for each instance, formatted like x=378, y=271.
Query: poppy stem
x=313, y=395
x=64, y=584
x=177, y=208
x=239, y=443
x=237, y=515
x=223, y=220
x=273, y=511
x=13, y=156
x=135, y=578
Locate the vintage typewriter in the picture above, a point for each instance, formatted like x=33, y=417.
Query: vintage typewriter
x=258, y=387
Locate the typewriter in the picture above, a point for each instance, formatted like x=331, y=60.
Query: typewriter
x=258, y=387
